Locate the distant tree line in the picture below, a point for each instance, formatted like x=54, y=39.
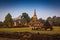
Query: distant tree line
x=8, y=22
x=55, y=21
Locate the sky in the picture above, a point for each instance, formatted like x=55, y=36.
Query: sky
x=44, y=8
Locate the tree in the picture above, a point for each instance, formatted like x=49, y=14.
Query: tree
x=49, y=18
x=54, y=17
x=56, y=21
x=8, y=20
x=1, y=23
x=26, y=17
x=41, y=20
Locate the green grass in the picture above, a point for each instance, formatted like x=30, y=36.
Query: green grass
x=55, y=31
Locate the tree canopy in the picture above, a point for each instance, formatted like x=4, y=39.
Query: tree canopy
x=1, y=23
x=41, y=20
x=26, y=17
x=8, y=20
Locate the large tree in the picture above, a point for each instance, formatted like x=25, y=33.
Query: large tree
x=8, y=20
x=26, y=17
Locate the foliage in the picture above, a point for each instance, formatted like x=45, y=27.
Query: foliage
x=49, y=18
x=41, y=20
x=1, y=23
x=8, y=20
x=54, y=20
x=26, y=17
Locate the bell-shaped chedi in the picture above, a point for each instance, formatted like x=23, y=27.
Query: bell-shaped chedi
x=34, y=18
x=34, y=22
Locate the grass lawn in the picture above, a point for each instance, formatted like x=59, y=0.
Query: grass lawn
x=55, y=31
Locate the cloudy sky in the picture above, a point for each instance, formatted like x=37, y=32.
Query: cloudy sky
x=44, y=8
